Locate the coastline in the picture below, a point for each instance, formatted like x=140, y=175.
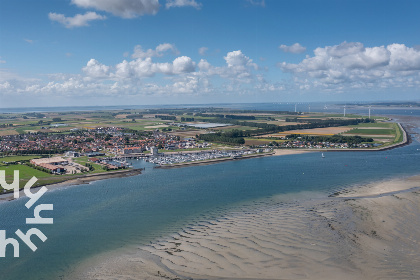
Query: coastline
x=293, y=151
x=83, y=179
x=365, y=232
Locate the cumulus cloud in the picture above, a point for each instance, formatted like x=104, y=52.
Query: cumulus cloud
x=182, y=3
x=141, y=68
x=357, y=66
x=257, y=2
x=121, y=8
x=237, y=59
x=94, y=69
x=239, y=66
x=403, y=58
x=183, y=64
x=159, y=51
x=76, y=21
x=203, y=50
x=142, y=75
x=295, y=48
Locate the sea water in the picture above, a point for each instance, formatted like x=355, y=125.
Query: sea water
x=105, y=215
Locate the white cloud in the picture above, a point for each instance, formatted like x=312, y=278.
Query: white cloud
x=335, y=69
x=182, y=3
x=158, y=52
x=183, y=64
x=189, y=84
x=352, y=65
x=94, y=69
x=141, y=68
x=121, y=8
x=257, y=2
x=2, y=61
x=29, y=41
x=295, y=48
x=239, y=66
x=6, y=86
x=203, y=50
x=76, y=21
x=203, y=65
x=237, y=59
x=404, y=58
x=144, y=76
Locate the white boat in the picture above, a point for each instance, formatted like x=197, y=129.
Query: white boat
x=322, y=155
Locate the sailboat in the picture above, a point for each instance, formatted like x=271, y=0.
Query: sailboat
x=322, y=155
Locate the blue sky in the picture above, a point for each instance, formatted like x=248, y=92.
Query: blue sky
x=109, y=52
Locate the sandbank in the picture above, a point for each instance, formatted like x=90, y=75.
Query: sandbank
x=366, y=232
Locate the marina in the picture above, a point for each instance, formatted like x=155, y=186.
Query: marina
x=168, y=159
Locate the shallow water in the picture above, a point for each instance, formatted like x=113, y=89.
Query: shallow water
x=105, y=215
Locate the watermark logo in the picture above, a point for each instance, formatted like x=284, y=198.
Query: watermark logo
x=36, y=219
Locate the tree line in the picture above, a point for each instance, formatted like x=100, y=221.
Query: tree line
x=265, y=128
x=234, y=136
x=163, y=117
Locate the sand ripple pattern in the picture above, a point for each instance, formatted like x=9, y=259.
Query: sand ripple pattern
x=372, y=232
x=363, y=238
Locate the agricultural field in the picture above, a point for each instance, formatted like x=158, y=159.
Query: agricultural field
x=18, y=158
x=26, y=173
x=8, y=132
x=83, y=160
x=242, y=127
x=312, y=132
x=378, y=130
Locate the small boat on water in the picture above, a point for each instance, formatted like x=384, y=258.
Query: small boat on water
x=322, y=155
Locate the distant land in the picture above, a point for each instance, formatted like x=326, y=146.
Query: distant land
x=67, y=145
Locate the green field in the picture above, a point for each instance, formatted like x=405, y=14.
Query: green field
x=368, y=131
x=17, y=158
x=399, y=135
x=26, y=173
x=83, y=160
x=376, y=124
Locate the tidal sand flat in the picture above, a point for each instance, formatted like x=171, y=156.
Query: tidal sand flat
x=366, y=232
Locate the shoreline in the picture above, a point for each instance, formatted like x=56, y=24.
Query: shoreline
x=293, y=151
x=84, y=179
x=366, y=232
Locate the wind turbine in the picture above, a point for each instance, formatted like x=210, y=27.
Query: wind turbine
x=344, y=110
x=295, y=107
x=369, y=111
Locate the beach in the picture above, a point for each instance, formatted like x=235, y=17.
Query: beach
x=367, y=231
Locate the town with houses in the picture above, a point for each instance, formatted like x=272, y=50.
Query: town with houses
x=70, y=143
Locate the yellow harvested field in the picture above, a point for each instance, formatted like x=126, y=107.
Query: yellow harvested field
x=314, y=131
x=8, y=132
